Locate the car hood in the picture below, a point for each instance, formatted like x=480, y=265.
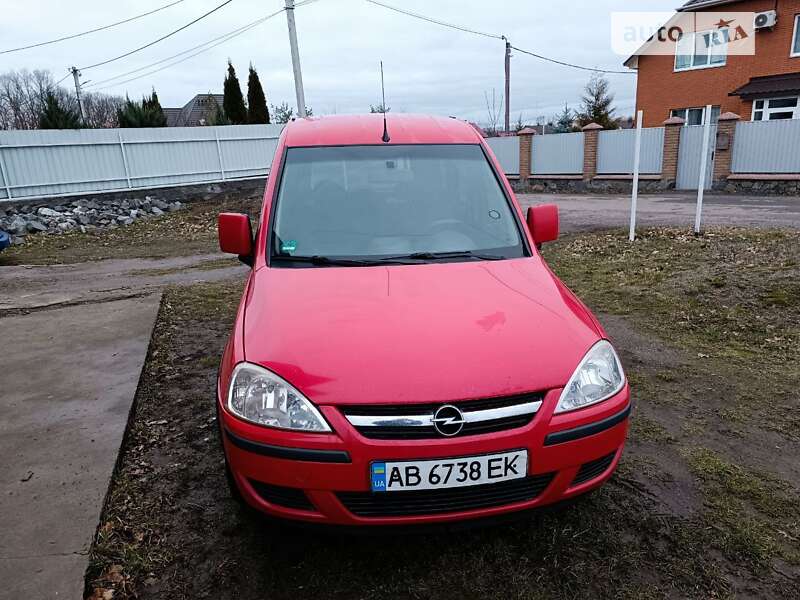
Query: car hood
x=418, y=333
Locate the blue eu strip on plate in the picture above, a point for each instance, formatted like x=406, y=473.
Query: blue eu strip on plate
x=378, y=477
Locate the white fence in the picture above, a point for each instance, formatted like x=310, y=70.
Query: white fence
x=616, y=150
x=690, y=154
x=56, y=163
x=37, y=164
x=767, y=147
x=558, y=154
x=506, y=149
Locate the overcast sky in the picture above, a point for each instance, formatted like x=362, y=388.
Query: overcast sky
x=428, y=68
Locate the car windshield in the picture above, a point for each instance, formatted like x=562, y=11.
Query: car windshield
x=404, y=202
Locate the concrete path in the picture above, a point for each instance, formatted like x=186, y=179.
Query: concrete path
x=74, y=341
x=586, y=213
x=69, y=376
x=35, y=287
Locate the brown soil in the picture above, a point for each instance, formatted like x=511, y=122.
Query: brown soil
x=705, y=503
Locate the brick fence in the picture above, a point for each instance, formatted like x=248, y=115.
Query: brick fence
x=589, y=180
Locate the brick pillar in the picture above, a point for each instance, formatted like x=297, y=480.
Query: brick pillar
x=525, y=143
x=590, y=134
x=726, y=130
x=672, y=141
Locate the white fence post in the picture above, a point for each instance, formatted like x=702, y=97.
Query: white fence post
x=124, y=158
x=701, y=187
x=219, y=153
x=4, y=173
x=635, y=189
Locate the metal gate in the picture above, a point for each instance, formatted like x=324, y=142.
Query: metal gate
x=691, y=146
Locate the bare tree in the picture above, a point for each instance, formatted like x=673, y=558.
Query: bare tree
x=101, y=110
x=23, y=96
x=493, y=113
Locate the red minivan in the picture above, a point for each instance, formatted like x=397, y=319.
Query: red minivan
x=402, y=354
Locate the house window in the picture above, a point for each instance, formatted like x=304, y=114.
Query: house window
x=694, y=116
x=701, y=50
x=796, y=38
x=773, y=109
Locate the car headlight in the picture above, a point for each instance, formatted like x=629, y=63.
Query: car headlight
x=598, y=377
x=261, y=397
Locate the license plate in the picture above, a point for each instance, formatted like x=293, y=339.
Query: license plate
x=398, y=476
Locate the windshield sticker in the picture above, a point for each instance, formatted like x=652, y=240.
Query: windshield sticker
x=289, y=246
x=494, y=214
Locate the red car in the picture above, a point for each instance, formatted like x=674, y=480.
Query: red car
x=402, y=354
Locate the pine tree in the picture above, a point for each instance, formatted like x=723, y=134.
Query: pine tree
x=55, y=116
x=146, y=113
x=564, y=120
x=596, y=104
x=257, y=111
x=216, y=115
x=156, y=114
x=232, y=100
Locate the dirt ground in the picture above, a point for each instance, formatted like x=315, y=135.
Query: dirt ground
x=705, y=504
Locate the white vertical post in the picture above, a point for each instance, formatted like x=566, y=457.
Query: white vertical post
x=635, y=188
x=219, y=153
x=701, y=186
x=4, y=173
x=124, y=158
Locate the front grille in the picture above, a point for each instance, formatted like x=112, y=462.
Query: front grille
x=429, y=502
x=593, y=469
x=429, y=432
x=282, y=496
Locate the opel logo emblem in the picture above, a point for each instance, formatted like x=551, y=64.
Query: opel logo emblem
x=448, y=420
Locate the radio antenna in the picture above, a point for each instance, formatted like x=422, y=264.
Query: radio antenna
x=385, y=137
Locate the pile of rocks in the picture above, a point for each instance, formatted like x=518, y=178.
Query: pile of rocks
x=82, y=215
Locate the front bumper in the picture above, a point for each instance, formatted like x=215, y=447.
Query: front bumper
x=312, y=477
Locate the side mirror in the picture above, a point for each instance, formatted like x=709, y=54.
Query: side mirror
x=235, y=235
x=543, y=223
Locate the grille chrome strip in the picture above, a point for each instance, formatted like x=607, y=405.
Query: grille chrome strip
x=475, y=416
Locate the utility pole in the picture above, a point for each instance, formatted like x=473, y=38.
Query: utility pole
x=298, y=76
x=508, y=85
x=76, y=75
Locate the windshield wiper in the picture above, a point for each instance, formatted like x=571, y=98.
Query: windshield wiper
x=404, y=259
x=327, y=261
x=447, y=255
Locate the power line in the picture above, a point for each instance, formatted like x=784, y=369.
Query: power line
x=224, y=37
x=566, y=64
x=162, y=38
x=222, y=40
x=63, y=78
x=104, y=27
x=494, y=36
x=436, y=21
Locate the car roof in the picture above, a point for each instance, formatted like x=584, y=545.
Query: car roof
x=350, y=130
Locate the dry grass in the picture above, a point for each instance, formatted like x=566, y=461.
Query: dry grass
x=704, y=505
